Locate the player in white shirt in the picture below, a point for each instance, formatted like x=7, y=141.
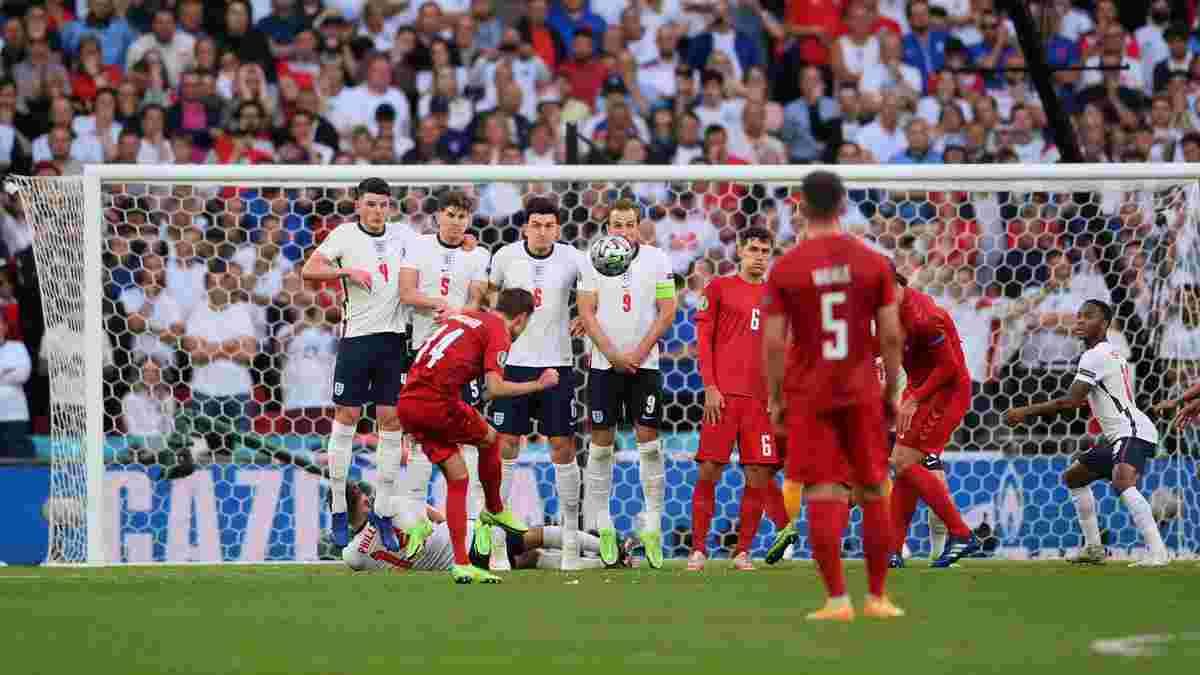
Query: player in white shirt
x=1103, y=382
x=625, y=316
x=366, y=257
x=550, y=271
x=439, y=276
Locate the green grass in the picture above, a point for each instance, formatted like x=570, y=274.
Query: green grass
x=1015, y=618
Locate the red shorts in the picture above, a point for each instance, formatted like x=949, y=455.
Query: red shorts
x=441, y=425
x=845, y=445
x=934, y=422
x=744, y=421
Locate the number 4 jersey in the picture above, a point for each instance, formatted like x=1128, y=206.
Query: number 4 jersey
x=1111, y=397
x=463, y=348
x=729, y=337
x=351, y=246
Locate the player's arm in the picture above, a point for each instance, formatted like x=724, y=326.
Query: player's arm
x=891, y=348
x=944, y=370
x=1077, y=397
x=409, y=280
x=320, y=268
x=475, y=294
x=587, y=302
x=664, y=302
x=498, y=387
x=706, y=331
x=1170, y=404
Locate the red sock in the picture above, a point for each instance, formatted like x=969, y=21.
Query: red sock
x=456, y=518
x=774, y=506
x=937, y=496
x=877, y=540
x=702, y=513
x=826, y=522
x=489, y=477
x=748, y=519
x=904, y=505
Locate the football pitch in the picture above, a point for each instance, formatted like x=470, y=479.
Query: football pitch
x=984, y=617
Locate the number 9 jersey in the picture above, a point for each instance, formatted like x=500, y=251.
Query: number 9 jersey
x=627, y=304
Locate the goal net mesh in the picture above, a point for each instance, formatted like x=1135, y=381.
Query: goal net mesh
x=224, y=463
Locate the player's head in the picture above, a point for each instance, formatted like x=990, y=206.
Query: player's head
x=755, y=246
x=453, y=216
x=516, y=306
x=374, y=202
x=1091, y=323
x=623, y=220
x=542, y=225
x=823, y=197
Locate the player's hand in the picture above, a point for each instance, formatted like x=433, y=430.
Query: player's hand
x=714, y=403
x=548, y=378
x=776, y=410
x=469, y=242
x=625, y=363
x=441, y=310
x=1015, y=416
x=1162, y=408
x=904, y=416
x=360, y=277
x=577, y=327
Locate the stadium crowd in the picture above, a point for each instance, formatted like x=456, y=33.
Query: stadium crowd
x=681, y=82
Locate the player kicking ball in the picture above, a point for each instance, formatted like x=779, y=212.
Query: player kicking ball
x=825, y=293
x=467, y=345
x=1102, y=381
x=625, y=315
x=729, y=336
x=934, y=403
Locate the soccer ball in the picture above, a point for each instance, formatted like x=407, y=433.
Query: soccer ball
x=611, y=255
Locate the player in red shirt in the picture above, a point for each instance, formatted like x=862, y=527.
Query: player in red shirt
x=468, y=345
x=826, y=292
x=729, y=337
x=934, y=404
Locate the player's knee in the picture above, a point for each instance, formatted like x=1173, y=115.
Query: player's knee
x=757, y=476
x=1124, y=477
x=645, y=434
x=869, y=493
x=388, y=420
x=348, y=415
x=600, y=451
x=710, y=471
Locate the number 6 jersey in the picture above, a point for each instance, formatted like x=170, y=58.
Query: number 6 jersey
x=351, y=246
x=546, y=342
x=729, y=327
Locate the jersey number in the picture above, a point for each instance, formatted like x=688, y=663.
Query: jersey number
x=436, y=346
x=537, y=297
x=445, y=286
x=767, y=450
x=384, y=271
x=626, y=302
x=754, y=320
x=838, y=347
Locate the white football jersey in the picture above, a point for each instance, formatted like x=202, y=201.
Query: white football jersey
x=378, y=310
x=1111, y=397
x=546, y=342
x=627, y=304
x=366, y=552
x=445, y=272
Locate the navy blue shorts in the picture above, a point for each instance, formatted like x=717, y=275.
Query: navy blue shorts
x=1102, y=459
x=370, y=369
x=553, y=408
x=614, y=397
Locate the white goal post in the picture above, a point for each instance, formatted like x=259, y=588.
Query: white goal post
x=96, y=521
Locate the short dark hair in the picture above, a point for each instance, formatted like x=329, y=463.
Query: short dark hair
x=756, y=233
x=1105, y=308
x=823, y=193
x=541, y=206
x=455, y=199
x=513, y=302
x=374, y=186
x=1055, y=253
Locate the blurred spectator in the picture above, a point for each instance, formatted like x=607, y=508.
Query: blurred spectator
x=721, y=36
x=919, y=149
x=154, y=316
x=310, y=348
x=192, y=113
x=176, y=48
x=148, y=408
x=32, y=74
x=249, y=43
x=814, y=23
x=811, y=123
x=546, y=43
x=358, y=105
x=754, y=143
x=1178, y=57
x=15, y=368
x=858, y=49
x=884, y=138
x=91, y=74
x=114, y=32
x=890, y=75
x=686, y=232
x=62, y=134
x=102, y=124
x=924, y=46
x=584, y=72
x=570, y=17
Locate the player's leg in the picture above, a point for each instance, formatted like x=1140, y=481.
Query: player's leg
x=716, y=449
x=512, y=419
x=1087, y=469
x=868, y=448
x=555, y=412
x=604, y=407
x=387, y=379
x=454, y=468
x=824, y=469
x=759, y=457
x=351, y=390
x=652, y=466
x=780, y=512
x=938, y=532
x=1130, y=456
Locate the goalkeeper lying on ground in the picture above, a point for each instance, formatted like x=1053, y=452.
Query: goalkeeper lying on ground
x=539, y=548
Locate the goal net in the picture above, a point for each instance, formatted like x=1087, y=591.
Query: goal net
x=159, y=457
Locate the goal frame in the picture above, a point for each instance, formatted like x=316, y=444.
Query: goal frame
x=964, y=176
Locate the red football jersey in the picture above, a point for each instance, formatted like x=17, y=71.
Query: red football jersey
x=466, y=346
x=830, y=289
x=729, y=337
x=931, y=340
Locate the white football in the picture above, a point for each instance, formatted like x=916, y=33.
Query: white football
x=611, y=255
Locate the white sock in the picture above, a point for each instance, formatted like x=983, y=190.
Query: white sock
x=589, y=543
x=1143, y=517
x=341, y=448
x=387, y=458
x=1085, y=509
x=654, y=482
x=552, y=537
x=470, y=455
x=508, y=467
x=599, y=475
x=415, y=487
x=938, y=533
x=566, y=479
x=549, y=560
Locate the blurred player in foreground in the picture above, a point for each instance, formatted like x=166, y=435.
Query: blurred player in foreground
x=933, y=405
x=625, y=316
x=1102, y=381
x=467, y=345
x=729, y=330
x=827, y=290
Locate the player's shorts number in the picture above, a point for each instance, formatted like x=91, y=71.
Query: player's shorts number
x=436, y=346
x=626, y=302
x=754, y=319
x=765, y=440
x=839, y=347
x=445, y=286
x=537, y=297
x=650, y=405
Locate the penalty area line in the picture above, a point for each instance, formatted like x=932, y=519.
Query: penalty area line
x=1140, y=645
